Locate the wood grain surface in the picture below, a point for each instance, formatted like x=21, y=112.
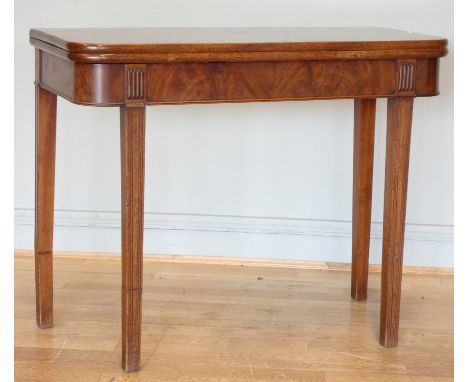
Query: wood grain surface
x=178, y=83
x=183, y=65
x=146, y=45
x=46, y=110
x=399, y=120
x=259, y=81
x=213, y=322
x=132, y=136
x=363, y=165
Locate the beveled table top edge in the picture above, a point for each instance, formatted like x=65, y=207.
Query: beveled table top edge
x=230, y=40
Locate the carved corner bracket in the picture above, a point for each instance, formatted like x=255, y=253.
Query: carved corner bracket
x=135, y=85
x=406, y=78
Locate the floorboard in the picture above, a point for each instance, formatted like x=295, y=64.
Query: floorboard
x=215, y=322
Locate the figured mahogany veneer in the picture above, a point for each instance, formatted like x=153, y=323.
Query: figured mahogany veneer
x=105, y=84
x=135, y=67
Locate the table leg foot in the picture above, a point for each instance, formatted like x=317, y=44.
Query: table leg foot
x=399, y=117
x=131, y=329
x=363, y=159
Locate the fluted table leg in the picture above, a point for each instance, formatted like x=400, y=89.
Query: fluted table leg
x=399, y=118
x=132, y=125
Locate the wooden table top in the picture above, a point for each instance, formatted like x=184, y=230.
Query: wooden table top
x=146, y=45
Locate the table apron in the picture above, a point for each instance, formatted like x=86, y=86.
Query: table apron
x=214, y=82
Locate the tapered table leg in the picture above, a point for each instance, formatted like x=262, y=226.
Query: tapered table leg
x=132, y=130
x=399, y=117
x=46, y=112
x=364, y=126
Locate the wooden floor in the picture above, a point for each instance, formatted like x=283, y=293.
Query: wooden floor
x=205, y=322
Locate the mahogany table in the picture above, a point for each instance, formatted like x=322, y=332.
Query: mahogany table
x=132, y=68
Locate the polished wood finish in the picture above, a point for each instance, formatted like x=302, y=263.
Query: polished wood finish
x=219, y=322
x=83, y=84
x=46, y=109
x=136, y=67
x=152, y=45
x=269, y=81
x=399, y=117
x=364, y=126
x=242, y=261
x=87, y=66
x=178, y=83
x=132, y=133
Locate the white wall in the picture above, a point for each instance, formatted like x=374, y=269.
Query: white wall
x=267, y=180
